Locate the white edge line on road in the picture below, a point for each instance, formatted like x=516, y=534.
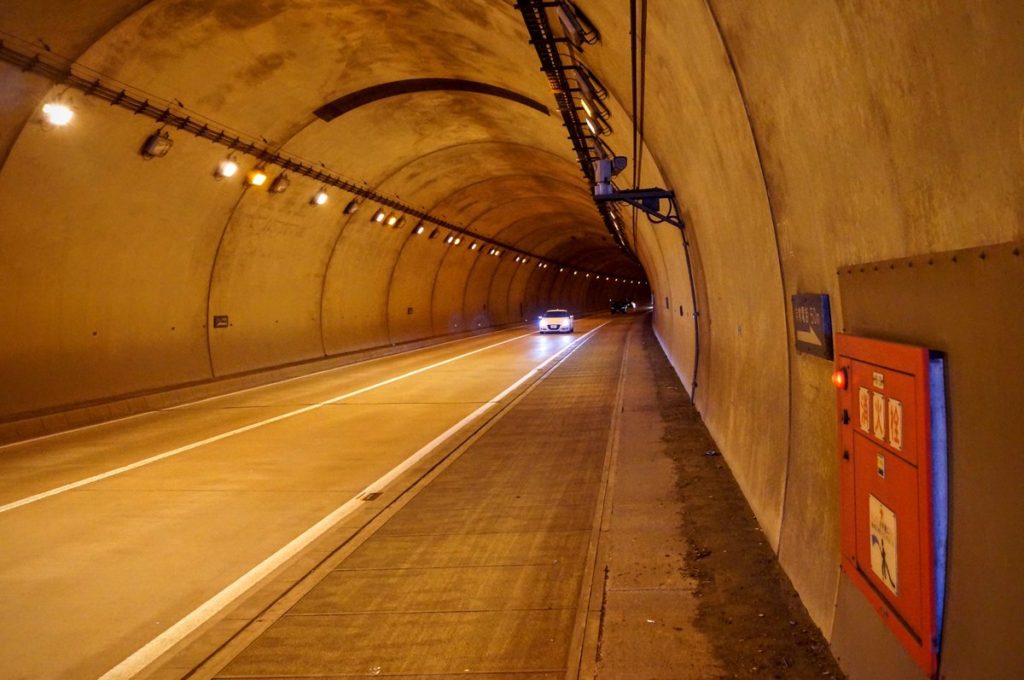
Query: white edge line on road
x=224, y=435
x=273, y=383
x=180, y=630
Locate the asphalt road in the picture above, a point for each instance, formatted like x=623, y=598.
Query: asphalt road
x=122, y=540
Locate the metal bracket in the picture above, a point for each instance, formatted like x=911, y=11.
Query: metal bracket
x=648, y=200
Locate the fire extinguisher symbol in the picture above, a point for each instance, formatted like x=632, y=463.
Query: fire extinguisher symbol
x=883, y=544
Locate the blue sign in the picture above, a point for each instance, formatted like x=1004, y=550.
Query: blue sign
x=812, y=324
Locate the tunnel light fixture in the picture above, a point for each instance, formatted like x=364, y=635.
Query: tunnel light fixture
x=226, y=168
x=256, y=178
x=587, y=108
x=157, y=145
x=598, y=126
x=280, y=184
x=474, y=245
x=575, y=273
x=590, y=85
x=419, y=228
x=320, y=197
x=57, y=113
x=379, y=216
x=561, y=269
x=352, y=206
x=449, y=239
x=457, y=241
x=434, y=233
x=400, y=222
x=392, y=220
x=577, y=26
x=588, y=275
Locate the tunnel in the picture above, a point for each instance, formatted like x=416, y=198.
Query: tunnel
x=206, y=199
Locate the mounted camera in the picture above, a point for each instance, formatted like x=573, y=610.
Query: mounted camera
x=604, y=170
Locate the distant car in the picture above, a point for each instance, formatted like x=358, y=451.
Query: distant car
x=621, y=306
x=555, y=321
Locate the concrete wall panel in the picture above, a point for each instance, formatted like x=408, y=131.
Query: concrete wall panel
x=107, y=262
x=267, y=279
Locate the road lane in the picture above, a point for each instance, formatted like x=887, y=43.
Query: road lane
x=89, y=576
x=479, y=570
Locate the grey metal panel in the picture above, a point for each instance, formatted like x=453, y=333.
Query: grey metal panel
x=968, y=305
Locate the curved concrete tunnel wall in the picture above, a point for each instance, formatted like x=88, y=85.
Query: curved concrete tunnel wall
x=798, y=139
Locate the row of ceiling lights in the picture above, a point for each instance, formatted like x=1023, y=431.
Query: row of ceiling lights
x=158, y=144
x=588, y=95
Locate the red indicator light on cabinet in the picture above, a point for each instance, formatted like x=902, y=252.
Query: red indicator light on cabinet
x=839, y=379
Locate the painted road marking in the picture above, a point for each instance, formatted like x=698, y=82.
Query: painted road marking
x=273, y=383
x=142, y=658
x=225, y=435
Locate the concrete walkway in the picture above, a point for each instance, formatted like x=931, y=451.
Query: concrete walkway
x=550, y=545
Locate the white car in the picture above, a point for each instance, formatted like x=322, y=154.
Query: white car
x=555, y=321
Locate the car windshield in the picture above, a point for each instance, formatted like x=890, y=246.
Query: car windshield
x=556, y=313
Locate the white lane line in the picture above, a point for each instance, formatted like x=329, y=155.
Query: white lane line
x=149, y=653
x=51, y=435
x=224, y=435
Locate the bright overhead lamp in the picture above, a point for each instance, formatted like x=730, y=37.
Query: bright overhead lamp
x=352, y=206
x=156, y=145
x=449, y=239
x=598, y=126
x=392, y=220
x=419, y=228
x=378, y=216
x=320, y=197
x=57, y=113
x=457, y=241
x=226, y=168
x=587, y=108
x=473, y=245
x=256, y=178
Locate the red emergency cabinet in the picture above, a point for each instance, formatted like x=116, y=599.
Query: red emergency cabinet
x=892, y=448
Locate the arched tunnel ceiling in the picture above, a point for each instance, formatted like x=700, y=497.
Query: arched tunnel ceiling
x=265, y=68
x=799, y=139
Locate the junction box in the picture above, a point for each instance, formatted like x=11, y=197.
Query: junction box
x=893, y=477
